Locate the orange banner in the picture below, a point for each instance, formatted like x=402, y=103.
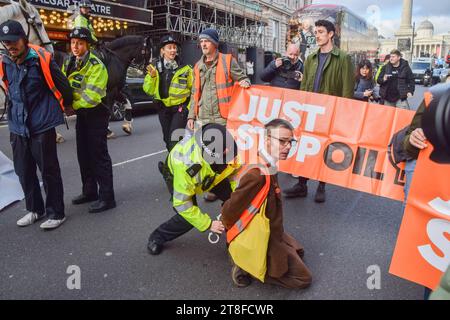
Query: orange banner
x=340, y=141
x=422, y=253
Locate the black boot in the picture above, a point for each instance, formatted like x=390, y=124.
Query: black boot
x=84, y=199
x=154, y=248
x=320, y=193
x=101, y=206
x=300, y=190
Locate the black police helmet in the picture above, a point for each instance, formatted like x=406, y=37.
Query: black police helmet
x=81, y=33
x=214, y=139
x=85, y=4
x=167, y=40
x=11, y=31
x=436, y=126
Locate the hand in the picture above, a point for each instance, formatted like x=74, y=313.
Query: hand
x=385, y=78
x=417, y=139
x=409, y=95
x=151, y=70
x=244, y=84
x=278, y=62
x=217, y=227
x=368, y=93
x=190, y=124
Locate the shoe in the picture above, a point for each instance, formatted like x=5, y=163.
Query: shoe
x=52, y=224
x=241, y=279
x=127, y=128
x=210, y=197
x=320, y=193
x=154, y=248
x=110, y=134
x=299, y=190
x=29, y=219
x=84, y=199
x=59, y=138
x=101, y=206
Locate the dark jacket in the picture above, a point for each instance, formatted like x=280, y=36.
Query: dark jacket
x=406, y=83
x=437, y=92
x=32, y=107
x=281, y=245
x=282, y=77
x=361, y=86
x=338, y=77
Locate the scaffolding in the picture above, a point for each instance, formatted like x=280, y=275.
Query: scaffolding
x=238, y=22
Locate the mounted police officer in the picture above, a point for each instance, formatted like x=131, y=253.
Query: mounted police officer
x=170, y=83
x=203, y=162
x=38, y=93
x=82, y=20
x=88, y=78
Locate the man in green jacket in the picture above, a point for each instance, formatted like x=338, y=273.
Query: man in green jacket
x=328, y=71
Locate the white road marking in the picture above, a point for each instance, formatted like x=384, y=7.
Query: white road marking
x=140, y=158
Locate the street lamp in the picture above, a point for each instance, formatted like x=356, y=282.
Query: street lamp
x=412, y=41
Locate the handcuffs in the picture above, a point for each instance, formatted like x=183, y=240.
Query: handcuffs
x=213, y=237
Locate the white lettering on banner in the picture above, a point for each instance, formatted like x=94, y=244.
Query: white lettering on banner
x=308, y=146
x=436, y=230
x=258, y=107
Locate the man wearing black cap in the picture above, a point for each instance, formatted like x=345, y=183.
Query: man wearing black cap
x=170, y=83
x=200, y=163
x=214, y=77
x=37, y=94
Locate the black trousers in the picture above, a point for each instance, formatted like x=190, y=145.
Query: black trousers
x=177, y=225
x=171, y=119
x=304, y=181
x=39, y=151
x=92, y=150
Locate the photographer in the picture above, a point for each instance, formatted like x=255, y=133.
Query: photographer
x=286, y=72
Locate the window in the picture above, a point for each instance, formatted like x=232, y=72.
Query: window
x=275, y=35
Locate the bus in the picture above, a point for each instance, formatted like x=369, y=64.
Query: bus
x=353, y=34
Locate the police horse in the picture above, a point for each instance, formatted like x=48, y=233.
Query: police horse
x=117, y=55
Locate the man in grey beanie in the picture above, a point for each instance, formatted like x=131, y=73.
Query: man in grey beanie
x=214, y=77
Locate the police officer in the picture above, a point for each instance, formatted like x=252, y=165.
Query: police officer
x=203, y=162
x=170, y=83
x=38, y=93
x=88, y=78
x=82, y=20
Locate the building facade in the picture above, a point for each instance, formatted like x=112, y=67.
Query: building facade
x=425, y=43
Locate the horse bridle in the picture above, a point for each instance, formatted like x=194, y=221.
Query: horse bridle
x=146, y=52
x=31, y=23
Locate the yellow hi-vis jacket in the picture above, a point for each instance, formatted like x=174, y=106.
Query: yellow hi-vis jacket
x=187, y=184
x=89, y=83
x=83, y=22
x=179, y=90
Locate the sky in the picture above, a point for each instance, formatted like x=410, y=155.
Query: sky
x=386, y=14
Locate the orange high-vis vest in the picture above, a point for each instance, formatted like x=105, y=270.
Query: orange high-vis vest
x=253, y=208
x=224, y=84
x=44, y=59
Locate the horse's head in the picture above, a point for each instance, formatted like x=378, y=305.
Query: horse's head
x=146, y=53
x=30, y=20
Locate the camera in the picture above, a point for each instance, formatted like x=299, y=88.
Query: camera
x=287, y=64
x=436, y=125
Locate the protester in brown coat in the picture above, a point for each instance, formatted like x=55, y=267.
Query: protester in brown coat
x=284, y=256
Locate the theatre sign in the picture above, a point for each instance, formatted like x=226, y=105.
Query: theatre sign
x=105, y=9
